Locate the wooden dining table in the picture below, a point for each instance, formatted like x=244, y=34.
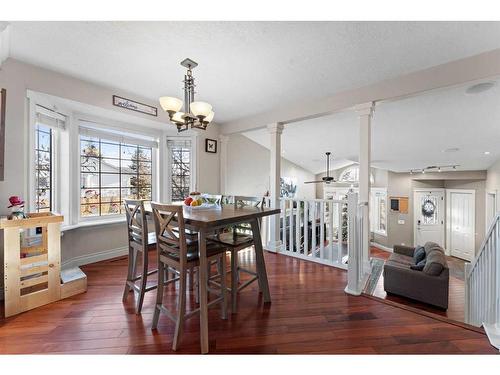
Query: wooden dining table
x=206, y=221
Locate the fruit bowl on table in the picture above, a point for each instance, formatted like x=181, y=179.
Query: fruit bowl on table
x=203, y=206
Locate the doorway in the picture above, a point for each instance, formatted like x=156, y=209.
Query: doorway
x=460, y=219
x=428, y=216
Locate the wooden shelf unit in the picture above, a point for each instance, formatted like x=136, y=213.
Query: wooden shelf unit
x=32, y=274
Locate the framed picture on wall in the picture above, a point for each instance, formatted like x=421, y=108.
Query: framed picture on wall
x=3, y=101
x=211, y=145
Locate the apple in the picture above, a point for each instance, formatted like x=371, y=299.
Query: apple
x=188, y=201
x=194, y=203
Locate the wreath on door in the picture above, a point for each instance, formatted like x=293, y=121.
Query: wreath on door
x=428, y=208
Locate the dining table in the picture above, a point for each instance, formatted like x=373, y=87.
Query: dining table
x=205, y=221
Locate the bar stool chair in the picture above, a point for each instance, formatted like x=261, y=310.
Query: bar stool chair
x=176, y=252
x=139, y=242
x=239, y=237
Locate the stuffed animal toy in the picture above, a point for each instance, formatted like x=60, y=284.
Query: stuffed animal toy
x=16, y=208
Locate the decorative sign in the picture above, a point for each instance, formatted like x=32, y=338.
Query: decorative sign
x=3, y=95
x=134, y=106
x=211, y=146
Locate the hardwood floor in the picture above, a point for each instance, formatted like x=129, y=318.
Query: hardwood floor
x=310, y=313
x=456, y=297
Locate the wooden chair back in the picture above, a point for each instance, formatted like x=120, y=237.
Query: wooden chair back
x=242, y=201
x=137, y=223
x=170, y=229
x=212, y=198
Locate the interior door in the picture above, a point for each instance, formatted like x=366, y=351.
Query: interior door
x=461, y=223
x=428, y=216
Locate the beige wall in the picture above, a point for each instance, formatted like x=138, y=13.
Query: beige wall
x=493, y=180
x=248, y=169
x=17, y=78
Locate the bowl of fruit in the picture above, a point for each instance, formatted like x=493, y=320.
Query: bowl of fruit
x=197, y=201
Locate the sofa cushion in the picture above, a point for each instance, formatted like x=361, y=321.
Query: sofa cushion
x=435, y=263
x=418, y=255
x=418, y=266
x=401, y=259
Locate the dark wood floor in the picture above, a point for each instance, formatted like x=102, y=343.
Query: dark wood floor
x=456, y=299
x=310, y=313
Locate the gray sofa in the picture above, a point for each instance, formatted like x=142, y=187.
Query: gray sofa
x=429, y=285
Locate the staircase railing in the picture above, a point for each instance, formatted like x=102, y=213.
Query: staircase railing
x=482, y=280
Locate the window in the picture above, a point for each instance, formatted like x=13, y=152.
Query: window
x=47, y=127
x=111, y=171
x=180, y=168
x=378, y=211
x=351, y=175
x=43, y=168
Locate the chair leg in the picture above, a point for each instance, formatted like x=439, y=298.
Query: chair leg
x=131, y=261
x=181, y=308
x=223, y=287
x=159, y=295
x=234, y=281
x=144, y=281
x=196, y=287
x=191, y=280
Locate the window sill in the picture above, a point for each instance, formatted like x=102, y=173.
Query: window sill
x=94, y=223
x=383, y=234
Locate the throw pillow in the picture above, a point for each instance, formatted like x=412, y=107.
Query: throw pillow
x=435, y=263
x=419, y=266
x=418, y=254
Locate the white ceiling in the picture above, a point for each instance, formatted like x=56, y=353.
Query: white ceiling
x=247, y=67
x=406, y=134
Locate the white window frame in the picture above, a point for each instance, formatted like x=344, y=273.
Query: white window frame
x=111, y=125
x=56, y=177
x=194, y=157
x=374, y=217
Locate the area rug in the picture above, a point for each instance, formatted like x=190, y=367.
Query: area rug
x=377, y=268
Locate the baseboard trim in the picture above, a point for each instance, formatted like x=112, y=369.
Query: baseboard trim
x=95, y=257
x=381, y=247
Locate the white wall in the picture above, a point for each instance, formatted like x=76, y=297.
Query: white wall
x=18, y=77
x=248, y=170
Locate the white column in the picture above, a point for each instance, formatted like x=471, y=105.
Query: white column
x=365, y=112
x=223, y=139
x=275, y=131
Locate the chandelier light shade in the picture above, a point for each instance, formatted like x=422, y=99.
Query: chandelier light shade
x=169, y=103
x=178, y=117
x=196, y=114
x=201, y=109
x=210, y=117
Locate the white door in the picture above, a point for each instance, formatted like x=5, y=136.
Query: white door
x=460, y=220
x=428, y=214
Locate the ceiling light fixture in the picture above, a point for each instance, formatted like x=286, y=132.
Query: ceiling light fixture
x=487, y=152
x=451, y=149
x=196, y=114
x=433, y=168
x=480, y=87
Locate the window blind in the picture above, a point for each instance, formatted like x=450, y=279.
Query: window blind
x=93, y=130
x=47, y=117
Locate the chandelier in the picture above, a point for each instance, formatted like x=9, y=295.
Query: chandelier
x=196, y=114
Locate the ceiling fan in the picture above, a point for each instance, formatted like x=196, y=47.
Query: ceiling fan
x=327, y=179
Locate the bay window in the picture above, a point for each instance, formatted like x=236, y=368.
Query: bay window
x=113, y=166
